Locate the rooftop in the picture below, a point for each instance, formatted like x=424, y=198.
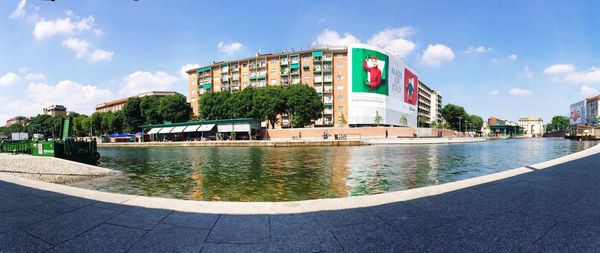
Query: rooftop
x=124, y=100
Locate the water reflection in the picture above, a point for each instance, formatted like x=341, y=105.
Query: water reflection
x=298, y=173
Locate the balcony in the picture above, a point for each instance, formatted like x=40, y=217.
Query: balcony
x=224, y=69
x=257, y=77
x=295, y=72
x=295, y=60
x=327, y=68
x=317, y=59
x=328, y=111
x=328, y=58
x=328, y=90
x=225, y=78
x=296, y=81
x=318, y=79
x=319, y=89
x=283, y=61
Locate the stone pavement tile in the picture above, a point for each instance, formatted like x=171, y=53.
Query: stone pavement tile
x=458, y=236
x=347, y=216
x=240, y=229
x=565, y=237
x=238, y=248
x=63, y=205
x=565, y=195
x=511, y=232
x=170, y=238
x=16, y=203
x=368, y=237
x=66, y=226
x=409, y=217
x=19, y=241
x=140, y=217
x=113, y=206
x=301, y=233
x=541, y=208
x=483, y=201
x=20, y=218
x=17, y=191
x=103, y=238
x=191, y=220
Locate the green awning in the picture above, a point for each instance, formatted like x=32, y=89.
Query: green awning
x=294, y=65
x=327, y=104
x=206, y=86
x=305, y=67
x=203, y=69
x=224, y=64
x=317, y=53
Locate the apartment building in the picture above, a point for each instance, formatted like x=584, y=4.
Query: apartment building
x=117, y=105
x=343, y=82
x=429, y=104
x=55, y=110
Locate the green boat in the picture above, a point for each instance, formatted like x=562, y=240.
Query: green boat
x=67, y=147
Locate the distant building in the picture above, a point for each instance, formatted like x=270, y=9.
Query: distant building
x=117, y=105
x=532, y=126
x=585, y=112
x=503, y=127
x=429, y=104
x=592, y=113
x=16, y=120
x=56, y=110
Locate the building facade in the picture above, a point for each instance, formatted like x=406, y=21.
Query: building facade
x=585, y=112
x=355, y=82
x=532, y=126
x=429, y=104
x=117, y=105
x=16, y=120
x=55, y=110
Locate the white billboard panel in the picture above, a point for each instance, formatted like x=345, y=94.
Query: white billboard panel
x=577, y=113
x=380, y=84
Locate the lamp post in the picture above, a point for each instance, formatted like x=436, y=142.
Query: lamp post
x=459, y=124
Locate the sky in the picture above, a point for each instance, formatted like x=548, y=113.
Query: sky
x=508, y=59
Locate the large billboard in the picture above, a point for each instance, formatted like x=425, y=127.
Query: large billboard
x=380, y=84
x=577, y=114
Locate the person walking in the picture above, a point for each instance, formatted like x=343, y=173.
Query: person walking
x=386, y=134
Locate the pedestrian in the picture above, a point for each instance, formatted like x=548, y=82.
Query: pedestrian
x=386, y=134
x=299, y=135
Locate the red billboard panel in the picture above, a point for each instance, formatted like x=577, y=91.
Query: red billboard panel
x=411, y=89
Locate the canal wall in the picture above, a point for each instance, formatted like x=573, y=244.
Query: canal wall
x=290, y=143
x=445, y=140
x=355, y=132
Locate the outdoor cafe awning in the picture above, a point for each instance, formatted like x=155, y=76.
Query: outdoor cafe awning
x=206, y=128
x=191, y=129
x=165, y=130
x=154, y=130
x=178, y=129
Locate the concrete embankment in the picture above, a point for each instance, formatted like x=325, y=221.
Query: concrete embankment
x=295, y=143
x=50, y=169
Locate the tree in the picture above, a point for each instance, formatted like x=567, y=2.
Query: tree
x=174, y=108
x=96, y=123
x=377, y=120
x=116, y=122
x=423, y=122
x=132, y=115
x=213, y=105
x=105, y=126
x=269, y=102
x=403, y=120
x=558, y=123
x=303, y=105
x=342, y=120
x=149, y=110
x=455, y=116
x=476, y=121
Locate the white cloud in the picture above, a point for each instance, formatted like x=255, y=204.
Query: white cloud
x=48, y=28
x=333, y=38
x=508, y=58
x=185, y=68
x=143, y=81
x=8, y=79
x=527, y=74
x=393, y=40
x=35, y=77
x=78, y=45
x=494, y=93
x=322, y=20
x=478, y=50
x=437, y=54
x=229, y=48
x=559, y=69
x=588, y=76
x=98, y=32
x=519, y=92
x=588, y=91
x=19, y=12
x=100, y=55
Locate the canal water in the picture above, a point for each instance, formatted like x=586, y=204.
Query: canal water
x=301, y=173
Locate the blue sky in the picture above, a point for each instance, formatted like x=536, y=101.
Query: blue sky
x=508, y=59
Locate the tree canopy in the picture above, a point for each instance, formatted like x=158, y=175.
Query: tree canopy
x=458, y=119
x=558, y=123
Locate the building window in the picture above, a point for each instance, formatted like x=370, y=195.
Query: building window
x=272, y=61
x=340, y=108
x=340, y=98
x=306, y=78
x=193, y=91
x=244, y=65
x=339, y=66
x=245, y=83
x=193, y=100
x=273, y=70
x=340, y=87
x=339, y=55
x=273, y=81
x=339, y=77
x=245, y=74
x=306, y=57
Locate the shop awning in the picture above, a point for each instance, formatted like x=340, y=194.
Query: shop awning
x=206, y=128
x=190, y=129
x=154, y=130
x=178, y=129
x=165, y=130
x=294, y=66
x=241, y=127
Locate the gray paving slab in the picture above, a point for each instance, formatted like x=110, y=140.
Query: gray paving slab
x=369, y=237
x=565, y=237
x=16, y=203
x=171, y=238
x=19, y=218
x=113, y=206
x=348, y=217
x=69, y=225
x=139, y=217
x=408, y=218
x=301, y=233
x=63, y=205
x=103, y=238
x=191, y=220
x=19, y=241
x=238, y=248
x=240, y=229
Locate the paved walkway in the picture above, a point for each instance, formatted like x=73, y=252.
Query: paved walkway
x=551, y=210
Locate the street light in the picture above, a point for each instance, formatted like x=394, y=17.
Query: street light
x=459, y=124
